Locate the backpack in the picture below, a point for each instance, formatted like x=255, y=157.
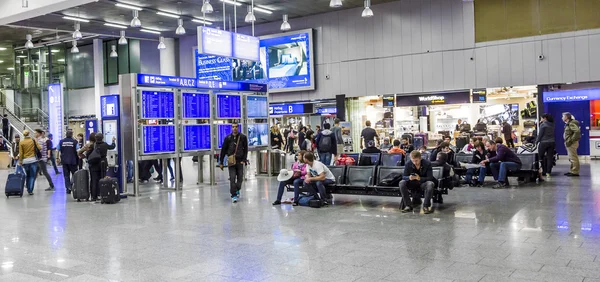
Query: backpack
x=325, y=143
x=303, y=145
x=393, y=179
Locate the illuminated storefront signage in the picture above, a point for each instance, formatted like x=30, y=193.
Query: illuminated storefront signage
x=572, y=95
x=463, y=97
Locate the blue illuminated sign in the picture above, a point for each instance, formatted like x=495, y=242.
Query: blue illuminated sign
x=168, y=81
x=212, y=41
x=110, y=106
x=234, y=86
x=172, y=81
x=287, y=109
x=572, y=95
x=158, y=139
x=223, y=130
x=257, y=106
x=156, y=105
x=229, y=106
x=196, y=137
x=195, y=105
x=326, y=111
x=91, y=126
x=210, y=67
x=246, y=47
x=55, y=110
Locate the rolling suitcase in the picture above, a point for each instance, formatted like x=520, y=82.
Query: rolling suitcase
x=425, y=137
x=15, y=183
x=81, y=185
x=419, y=142
x=461, y=141
x=109, y=190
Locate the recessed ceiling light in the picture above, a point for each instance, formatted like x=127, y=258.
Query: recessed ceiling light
x=2, y=48
x=262, y=10
x=1, y=62
x=149, y=31
x=54, y=51
x=201, y=21
x=232, y=3
x=10, y=68
x=76, y=19
x=21, y=56
x=167, y=14
x=115, y=25
x=61, y=60
x=131, y=7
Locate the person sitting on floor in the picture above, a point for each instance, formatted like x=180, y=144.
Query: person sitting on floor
x=295, y=177
x=418, y=178
x=479, y=154
x=505, y=160
x=317, y=177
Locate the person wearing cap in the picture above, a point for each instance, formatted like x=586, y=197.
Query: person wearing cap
x=295, y=176
x=371, y=148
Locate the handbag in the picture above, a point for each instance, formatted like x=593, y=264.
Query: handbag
x=94, y=157
x=38, y=153
x=231, y=159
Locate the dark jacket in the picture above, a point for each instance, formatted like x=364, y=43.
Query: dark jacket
x=407, y=148
x=433, y=156
x=102, y=148
x=327, y=134
x=276, y=144
x=478, y=157
x=229, y=145
x=371, y=150
x=546, y=132
x=504, y=154
x=337, y=131
x=507, y=130
x=426, y=171
x=68, y=151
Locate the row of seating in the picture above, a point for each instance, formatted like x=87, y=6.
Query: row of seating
x=528, y=172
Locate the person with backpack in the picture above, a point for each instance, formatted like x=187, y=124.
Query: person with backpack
x=572, y=135
x=67, y=157
x=96, y=157
x=43, y=161
x=326, y=144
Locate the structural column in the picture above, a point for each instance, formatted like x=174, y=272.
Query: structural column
x=98, y=75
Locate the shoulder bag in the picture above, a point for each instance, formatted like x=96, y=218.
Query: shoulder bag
x=231, y=159
x=38, y=152
x=94, y=158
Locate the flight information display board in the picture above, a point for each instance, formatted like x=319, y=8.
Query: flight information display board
x=158, y=139
x=229, y=106
x=212, y=41
x=196, y=105
x=196, y=137
x=222, y=131
x=257, y=106
x=246, y=47
x=157, y=105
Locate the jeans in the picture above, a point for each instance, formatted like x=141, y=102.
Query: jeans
x=406, y=187
x=471, y=172
x=510, y=143
x=236, y=177
x=573, y=157
x=546, y=155
x=314, y=187
x=325, y=158
x=44, y=171
x=68, y=172
x=296, y=182
x=171, y=169
x=53, y=160
x=31, y=171
x=499, y=170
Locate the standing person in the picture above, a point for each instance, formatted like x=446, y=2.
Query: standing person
x=67, y=156
x=504, y=161
x=572, y=135
x=317, y=177
x=28, y=159
x=15, y=150
x=368, y=134
x=79, y=146
x=507, y=132
x=5, y=127
x=291, y=140
x=50, y=147
x=276, y=138
x=43, y=162
x=294, y=177
x=547, y=144
x=235, y=145
x=301, y=135
x=309, y=130
x=458, y=125
x=98, y=169
x=318, y=129
x=326, y=144
x=418, y=178
x=286, y=133
x=82, y=152
x=337, y=131
x=308, y=142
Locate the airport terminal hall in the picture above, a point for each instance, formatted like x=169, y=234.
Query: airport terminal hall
x=300, y=140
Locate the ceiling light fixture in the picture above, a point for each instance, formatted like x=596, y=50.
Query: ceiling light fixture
x=250, y=16
x=135, y=22
x=285, y=25
x=207, y=8
x=149, y=31
x=60, y=60
x=167, y=15
x=76, y=19
x=367, y=12
x=335, y=3
x=2, y=48
x=77, y=34
x=161, y=43
x=128, y=6
x=113, y=53
x=1, y=61
x=180, y=29
x=74, y=49
x=54, y=51
x=10, y=68
x=263, y=10
x=122, y=40
x=202, y=21
x=28, y=44
x=21, y=56
x=232, y=3
x=115, y=25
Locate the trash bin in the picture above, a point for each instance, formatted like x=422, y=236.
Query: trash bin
x=278, y=161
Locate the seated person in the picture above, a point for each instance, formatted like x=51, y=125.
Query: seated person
x=505, y=160
x=295, y=176
x=318, y=175
x=418, y=177
x=448, y=140
x=407, y=147
x=386, y=145
x=470, y=147
x=371, y=149
x=423, y=149
x=478, y=156
x=443, y=147
x=447, y=172
x=396, y=149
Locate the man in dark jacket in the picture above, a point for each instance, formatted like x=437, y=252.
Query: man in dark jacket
x=479, y=155
x=235, y=144
x=444, y=147
x=507, y=132
x=505, y=160
x=6, y=127
x=418, y=177
x=326, y=144
x=98, y=170
x=547, y=145
x=67, y=156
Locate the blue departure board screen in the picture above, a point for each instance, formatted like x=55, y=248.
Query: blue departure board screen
x=229, y=106
x=157, y=105
x=222, y=131
x=158, y=139
x=196, y=105
x=196, y=137
x=257, y=106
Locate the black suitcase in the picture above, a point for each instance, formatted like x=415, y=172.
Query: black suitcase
x=461, y=142
x=419, y=142
x=15, y=183
x=109, y=190
x=81, y=185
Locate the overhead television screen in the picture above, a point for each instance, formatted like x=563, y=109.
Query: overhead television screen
x=196, y=137
x=258, y=134
x=257, y=106
x=229, y=106
x=158, y=139
x=497, y=114
x=157, y=105
x=222, y=131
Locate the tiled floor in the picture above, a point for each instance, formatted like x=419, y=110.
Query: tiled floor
x=548, y=232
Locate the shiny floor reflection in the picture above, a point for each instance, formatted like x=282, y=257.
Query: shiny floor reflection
x=546, y=232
